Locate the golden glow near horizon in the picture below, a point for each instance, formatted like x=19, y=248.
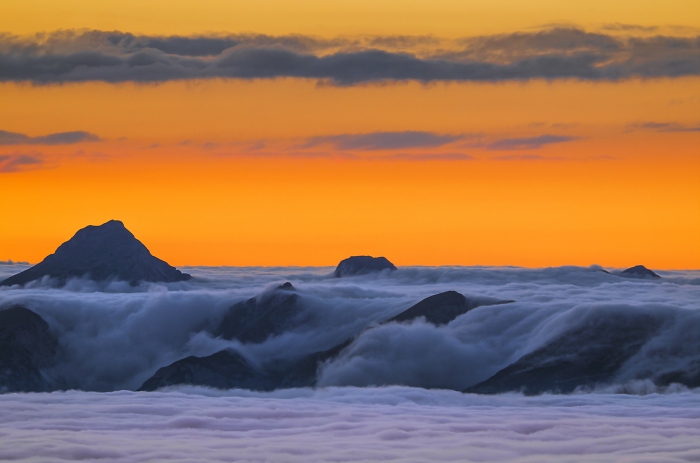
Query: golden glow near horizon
x=444, y=18
x=255, y=172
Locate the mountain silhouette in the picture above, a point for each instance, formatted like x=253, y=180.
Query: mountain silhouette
x=359, y=265
x=586, y=355
x=440, y=309
x=638, y=271
x=101, y=253
x=27, y=346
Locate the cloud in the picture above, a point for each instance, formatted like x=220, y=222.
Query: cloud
x=18, y=162
x=11, y=262
x=552, y=54
x=59, y=138
x=664, y=127
x=629, y=27
x=114, y=336
x=383, y=140
x=426, y=157
x=528, y=143
x=527, y=157
x=555, y=42
x=346, y=425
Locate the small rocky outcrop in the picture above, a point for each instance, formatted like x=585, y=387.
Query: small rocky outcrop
x=585, y=356
x=442, y=308
x=269, y=314
x=226, y=369
x=638, y=271
x=101, y=253
x=359, y=265
x=26, y=348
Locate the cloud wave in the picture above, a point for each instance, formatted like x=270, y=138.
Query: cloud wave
x=115, y=336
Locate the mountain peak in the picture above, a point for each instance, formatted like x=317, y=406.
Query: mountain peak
x=101, y=252
x=358, y=265
x=639, y=271
x=111, y=224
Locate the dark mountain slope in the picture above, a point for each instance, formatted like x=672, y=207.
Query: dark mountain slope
x=101, y=252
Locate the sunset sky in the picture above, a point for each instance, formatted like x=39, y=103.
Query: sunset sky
x=532, y=133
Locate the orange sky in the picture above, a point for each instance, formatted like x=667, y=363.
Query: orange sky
x=223, y=172
x=449, y=18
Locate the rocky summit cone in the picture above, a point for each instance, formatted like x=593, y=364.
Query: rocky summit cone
x=638, y=271
x=101, y=253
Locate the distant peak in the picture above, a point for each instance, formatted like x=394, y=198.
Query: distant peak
x=113, y=223
x=101, y=252
x=110, y=225
x=357, y=265
x=112, y=228
x=639, y=271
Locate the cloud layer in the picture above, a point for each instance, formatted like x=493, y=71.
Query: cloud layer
x=558, y=53
x=348, y=424
x=114, y=336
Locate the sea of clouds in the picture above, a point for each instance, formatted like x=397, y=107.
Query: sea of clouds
x=114, y=336
x=397, y=424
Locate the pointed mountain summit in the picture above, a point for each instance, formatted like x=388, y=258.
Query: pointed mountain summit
x=638, y=271
x=101, y=252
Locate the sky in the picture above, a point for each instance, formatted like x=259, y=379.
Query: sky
x=528, y=133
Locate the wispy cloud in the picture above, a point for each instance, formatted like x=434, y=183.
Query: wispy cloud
x=629, y=27
x=59, y=138
x=526, y=157
x=383, y=140
x=19, y=162
x=527, y=143
x=11, y=262
x=426, y=157
x=663, y=127
x=553, y=54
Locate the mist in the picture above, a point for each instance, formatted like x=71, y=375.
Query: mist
x=113, y=336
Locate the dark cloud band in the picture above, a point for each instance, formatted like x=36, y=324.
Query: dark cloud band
x=664, y=127
x=60, y=138
x=528, y=142
x=560, y=53
x=383, y=140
